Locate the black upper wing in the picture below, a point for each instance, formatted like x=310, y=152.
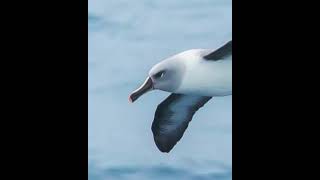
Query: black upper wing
x=222, y=52
x=172, y=118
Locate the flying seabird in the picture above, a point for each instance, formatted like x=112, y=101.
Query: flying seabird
x=193, y=77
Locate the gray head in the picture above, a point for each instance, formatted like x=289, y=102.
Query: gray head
x=166, y=76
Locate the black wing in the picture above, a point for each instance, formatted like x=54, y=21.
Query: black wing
x=222, y=52
x=172, y=118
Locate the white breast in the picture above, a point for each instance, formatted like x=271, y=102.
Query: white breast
x=208, y=78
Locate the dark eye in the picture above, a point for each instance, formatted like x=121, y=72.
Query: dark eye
x=159, y=74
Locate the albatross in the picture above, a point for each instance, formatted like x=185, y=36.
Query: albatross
x=193, y=77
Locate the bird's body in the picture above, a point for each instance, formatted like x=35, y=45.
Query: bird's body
x=193, y=77
x=206, y=78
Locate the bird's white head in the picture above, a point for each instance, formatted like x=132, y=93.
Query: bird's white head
x=166, y=75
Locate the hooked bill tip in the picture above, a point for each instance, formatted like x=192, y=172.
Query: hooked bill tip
x=130, y=100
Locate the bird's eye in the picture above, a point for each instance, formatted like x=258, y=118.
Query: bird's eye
x=159, y=74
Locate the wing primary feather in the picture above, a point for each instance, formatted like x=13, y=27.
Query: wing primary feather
x=220, y=53
x=172, y=118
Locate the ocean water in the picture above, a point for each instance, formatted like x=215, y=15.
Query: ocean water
x=126, y=38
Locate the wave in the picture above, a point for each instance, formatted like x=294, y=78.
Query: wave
x=155, y=173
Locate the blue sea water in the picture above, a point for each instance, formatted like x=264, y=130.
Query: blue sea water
x=126, y=38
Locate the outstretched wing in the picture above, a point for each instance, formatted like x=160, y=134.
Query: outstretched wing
x=221, y=53
x=172, y=118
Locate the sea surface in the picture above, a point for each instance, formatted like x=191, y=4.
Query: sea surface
x=126, y=38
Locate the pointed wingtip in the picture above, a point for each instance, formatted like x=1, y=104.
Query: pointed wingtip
x=163, y=144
